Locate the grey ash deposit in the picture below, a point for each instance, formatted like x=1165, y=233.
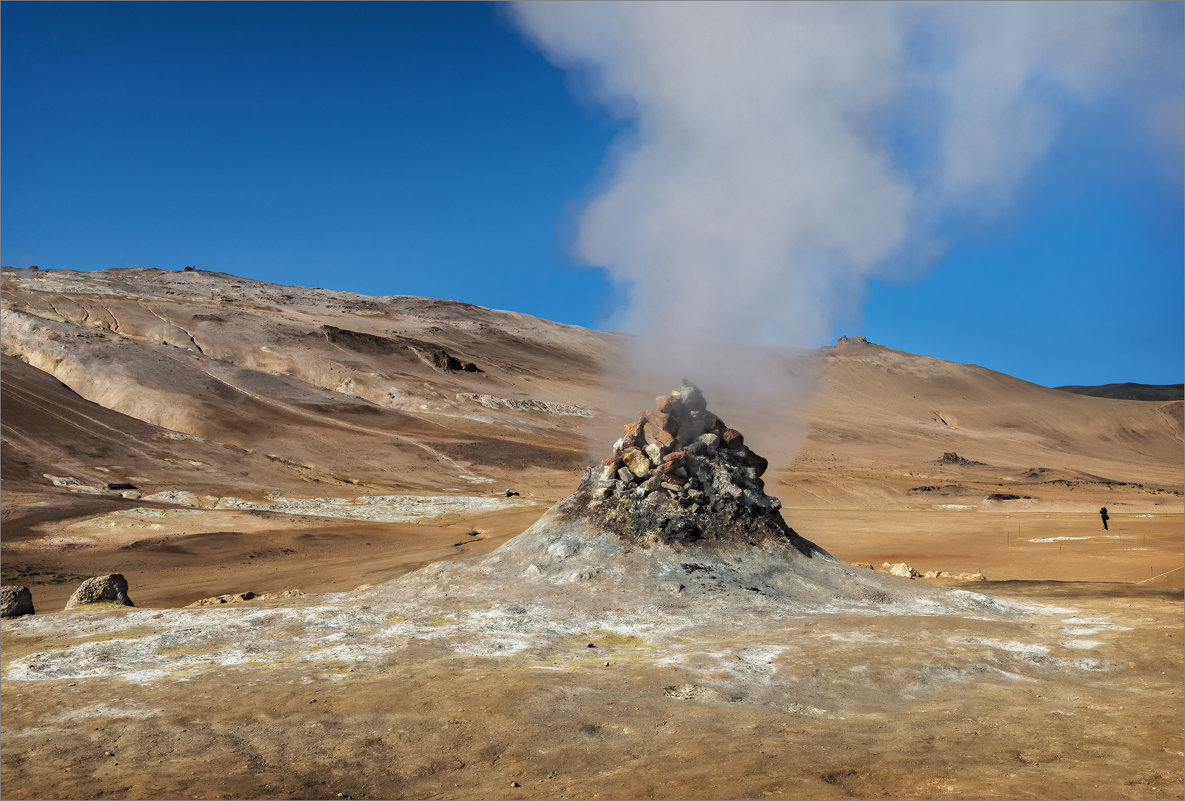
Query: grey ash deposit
x=679, y=474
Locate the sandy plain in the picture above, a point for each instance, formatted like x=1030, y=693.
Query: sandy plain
x=1079, y=695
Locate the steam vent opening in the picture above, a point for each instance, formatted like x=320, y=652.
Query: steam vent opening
x=680, y=475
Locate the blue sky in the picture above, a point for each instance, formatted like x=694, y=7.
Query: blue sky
x=430, y=149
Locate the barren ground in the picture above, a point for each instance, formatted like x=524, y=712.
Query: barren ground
x=213, y=394
x=866, y=705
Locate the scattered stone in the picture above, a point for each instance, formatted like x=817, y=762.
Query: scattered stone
x=864, y=565
x=110, y=589
x=218, y=600
x=515, y=784
x=901, y=569
x=15, y=601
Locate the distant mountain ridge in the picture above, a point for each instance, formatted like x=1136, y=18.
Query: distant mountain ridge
x=1131, y=391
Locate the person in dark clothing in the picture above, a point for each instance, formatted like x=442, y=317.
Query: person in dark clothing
x=1103, y=514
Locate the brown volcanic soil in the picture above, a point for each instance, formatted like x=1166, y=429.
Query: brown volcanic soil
x=225, y=388
x=618, y=722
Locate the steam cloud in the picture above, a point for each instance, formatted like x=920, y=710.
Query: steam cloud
x=779, y=154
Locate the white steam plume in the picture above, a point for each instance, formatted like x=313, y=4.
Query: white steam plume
x=781, y=153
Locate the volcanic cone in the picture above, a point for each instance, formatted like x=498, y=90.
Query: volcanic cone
x=676, y=511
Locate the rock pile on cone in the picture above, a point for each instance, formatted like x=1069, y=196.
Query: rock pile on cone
x=679, y=473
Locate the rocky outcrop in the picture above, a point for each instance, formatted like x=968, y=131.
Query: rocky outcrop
x=905, y=571
x=110, y=589
x=15, y=601
x=950, y=457
x=361, y=341
x=218, y=600
x=443, y=360
x=515, y=404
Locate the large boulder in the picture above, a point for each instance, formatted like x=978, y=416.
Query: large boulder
x=111, y=589
x=15, y=601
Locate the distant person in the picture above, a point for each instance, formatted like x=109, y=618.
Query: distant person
x=1103, y=514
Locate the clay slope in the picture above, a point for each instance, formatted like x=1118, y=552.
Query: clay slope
x=890, y=417
x=400, y=394
x=372, y=392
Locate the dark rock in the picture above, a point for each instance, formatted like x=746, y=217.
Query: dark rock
x=120, y=485
x=696, y=424
x=15, y=601
x=112, y=589
x=758, y=463
x=950, y=457
x=443, y=360
x=732, y=439
x=692, y=397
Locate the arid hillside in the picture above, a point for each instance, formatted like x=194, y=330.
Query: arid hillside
x=314, y=393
